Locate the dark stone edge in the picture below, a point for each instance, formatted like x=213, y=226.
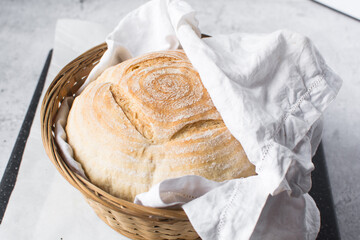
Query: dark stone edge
x=8, y=180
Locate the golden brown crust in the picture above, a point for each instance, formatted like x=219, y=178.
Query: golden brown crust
x=149, y=119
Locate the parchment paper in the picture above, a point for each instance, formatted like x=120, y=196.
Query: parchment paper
x=43, y=204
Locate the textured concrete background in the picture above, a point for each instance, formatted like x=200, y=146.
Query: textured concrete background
x=27, y=31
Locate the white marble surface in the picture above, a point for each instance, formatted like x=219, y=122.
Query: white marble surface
x=27, y=31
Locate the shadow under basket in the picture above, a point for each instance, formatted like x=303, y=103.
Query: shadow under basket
x=129, y=219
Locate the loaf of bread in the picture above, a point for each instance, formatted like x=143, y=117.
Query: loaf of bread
x=149, y=119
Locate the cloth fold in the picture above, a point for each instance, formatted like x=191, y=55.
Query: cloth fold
x=271, y=90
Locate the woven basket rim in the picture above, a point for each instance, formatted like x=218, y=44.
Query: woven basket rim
x=87, y=188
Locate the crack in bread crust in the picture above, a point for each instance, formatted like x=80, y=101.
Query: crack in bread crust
x=134, y=117
x=195, y=127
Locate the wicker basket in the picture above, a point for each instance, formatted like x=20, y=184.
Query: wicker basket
x=132, y=220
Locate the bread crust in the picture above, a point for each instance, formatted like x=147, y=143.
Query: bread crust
x=149, y=119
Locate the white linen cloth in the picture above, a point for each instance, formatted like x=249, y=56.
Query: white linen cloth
x=270, y=90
